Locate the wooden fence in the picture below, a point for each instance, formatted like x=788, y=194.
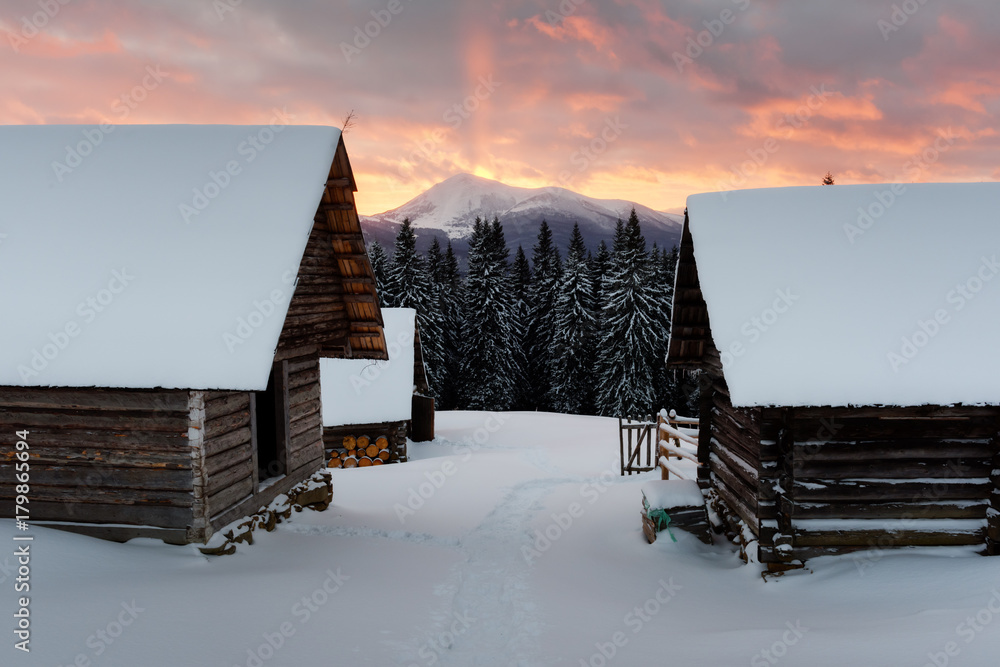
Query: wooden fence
x=634, y=435
x=677, y=438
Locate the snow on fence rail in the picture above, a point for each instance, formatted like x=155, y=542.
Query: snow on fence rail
x=681, y=442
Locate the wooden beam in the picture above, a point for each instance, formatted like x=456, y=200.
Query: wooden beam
x=359, y=298
x=346, y=236
x=338, y=183
x=337, y=206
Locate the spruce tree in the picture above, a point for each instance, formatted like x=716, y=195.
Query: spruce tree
x=489, y=371
x=433, y=341
x=540, y=330
x=406, y=281
x=380, y=266
x=666, y=382
x=521, y=275
x=600, y=265
x=449, y=284
x=632, y=320
x=571, y=366
x=521, y=286
x=409, y=286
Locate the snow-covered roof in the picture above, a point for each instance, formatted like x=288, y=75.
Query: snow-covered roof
x=362, y=391
x=853, y=295
x=152, y=256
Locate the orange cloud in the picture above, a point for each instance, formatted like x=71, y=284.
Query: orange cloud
x=596, y=101
x=51, y=46
x=580, y=29
x=967, y=95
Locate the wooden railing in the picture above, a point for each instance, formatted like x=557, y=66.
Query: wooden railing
x=677, y=438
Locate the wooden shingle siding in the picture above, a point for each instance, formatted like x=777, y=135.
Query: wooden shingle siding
x=338, y=215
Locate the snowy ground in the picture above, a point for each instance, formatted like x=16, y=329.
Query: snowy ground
x=462, y=578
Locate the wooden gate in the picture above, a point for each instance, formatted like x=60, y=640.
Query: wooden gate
x=634, y=435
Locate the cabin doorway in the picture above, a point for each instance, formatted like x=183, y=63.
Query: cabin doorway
x=270, y=421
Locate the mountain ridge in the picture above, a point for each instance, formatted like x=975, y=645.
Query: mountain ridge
x=447, y=211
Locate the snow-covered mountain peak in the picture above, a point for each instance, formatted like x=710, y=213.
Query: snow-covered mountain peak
x=449, y=209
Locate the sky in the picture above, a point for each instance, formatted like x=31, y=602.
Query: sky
x=647, y=101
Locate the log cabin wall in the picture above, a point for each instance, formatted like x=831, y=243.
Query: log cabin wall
x=730, y=446
x=102, y=456
x=920, y=476
x=234, y=487
x=305, y=452
x=229, y=466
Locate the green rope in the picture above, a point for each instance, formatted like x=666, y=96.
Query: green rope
x=660, y=519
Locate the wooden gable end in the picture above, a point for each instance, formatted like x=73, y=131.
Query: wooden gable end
x=335, y=305
x=690, y=334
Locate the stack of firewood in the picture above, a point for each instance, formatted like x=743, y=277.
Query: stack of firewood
x=361, y=452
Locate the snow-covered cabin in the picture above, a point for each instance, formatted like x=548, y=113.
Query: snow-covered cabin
x=167, y=294
x=378, y=399
x=848, y=338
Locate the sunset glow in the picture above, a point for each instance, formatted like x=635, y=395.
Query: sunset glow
x=704, y=95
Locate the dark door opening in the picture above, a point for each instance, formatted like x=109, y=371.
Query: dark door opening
x=269, y=417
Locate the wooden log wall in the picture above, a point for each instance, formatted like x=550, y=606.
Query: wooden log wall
x=912, y=476
x=305, y=449
x=317, y=314
x=735, y=462
x=103, y=456
x=395, y=432
x=993, y=513
x=230, y=462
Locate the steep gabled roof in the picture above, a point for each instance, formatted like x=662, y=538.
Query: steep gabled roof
x=846, y=295
x=156, y=256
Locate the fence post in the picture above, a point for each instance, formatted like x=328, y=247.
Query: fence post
x=621, y=445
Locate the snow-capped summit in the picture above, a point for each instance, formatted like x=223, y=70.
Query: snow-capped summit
x=450, y=207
